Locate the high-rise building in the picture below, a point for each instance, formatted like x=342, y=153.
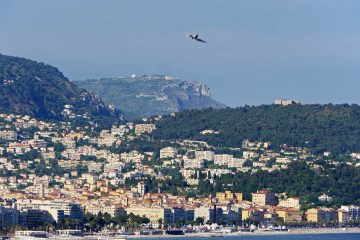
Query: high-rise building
x=353, y=212
x=9, y=216
x=142, y=188
x=57, y=209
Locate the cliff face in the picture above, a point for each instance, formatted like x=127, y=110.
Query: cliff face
x=151, y=95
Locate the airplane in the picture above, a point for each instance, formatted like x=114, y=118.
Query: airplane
x=196, y=38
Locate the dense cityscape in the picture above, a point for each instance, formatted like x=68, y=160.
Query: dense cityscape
x=60, y=175
x=180, y=119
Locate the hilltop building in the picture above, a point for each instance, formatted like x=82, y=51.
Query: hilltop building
x=285, y=102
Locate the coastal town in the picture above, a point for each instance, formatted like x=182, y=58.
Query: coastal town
x=84, y=178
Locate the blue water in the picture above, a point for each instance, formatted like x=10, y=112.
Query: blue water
x=340, y=236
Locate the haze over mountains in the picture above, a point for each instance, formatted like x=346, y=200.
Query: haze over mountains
x=151, y=95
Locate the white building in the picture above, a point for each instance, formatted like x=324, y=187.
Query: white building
x=205, y=155
x=144, y=128
x=222, y=159
x=236, y=162
x=111, y=209
x=292, y=202
x=58, y=209
x=325, y=198
x=142, y=188
x=120, y=131
x=8, y=135
x=193, y=163
x=168, y=152
x=353, y=212
x=285, y=102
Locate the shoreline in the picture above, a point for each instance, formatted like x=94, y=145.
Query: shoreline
x=310, y=231
x=301, y=231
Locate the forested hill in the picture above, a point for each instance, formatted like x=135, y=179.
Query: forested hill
x=40, y=90
x=327, y=127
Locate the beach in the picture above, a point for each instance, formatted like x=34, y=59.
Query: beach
x=301, y=231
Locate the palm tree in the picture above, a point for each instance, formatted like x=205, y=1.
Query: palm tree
x=160, y=222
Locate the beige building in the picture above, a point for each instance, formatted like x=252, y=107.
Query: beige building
x=343, y=216
x=222, y=159
x=293, y=202
x=154, y=214
x=168, y=152
x=290, y=215
x=144, y=128
x=113, y=210
x=205, y=155
x=252, y=213
x=228, y=195
x=193, y=163
x=8, y=135
x=250, y=154
x=204, y=212
x=321, y=215
x=264, y=197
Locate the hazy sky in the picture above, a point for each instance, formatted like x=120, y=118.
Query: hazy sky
x=258, y=50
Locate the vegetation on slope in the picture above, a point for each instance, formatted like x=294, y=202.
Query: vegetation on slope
x=341, y=182
x=328, y=127
x=40, y=90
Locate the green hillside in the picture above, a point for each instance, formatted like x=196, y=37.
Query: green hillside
x=40, y=90
x=321, y=127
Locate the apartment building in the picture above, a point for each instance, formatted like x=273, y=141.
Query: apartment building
x=321, y=215
x=264, y=197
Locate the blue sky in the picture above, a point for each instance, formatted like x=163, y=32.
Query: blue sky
x=258, y=50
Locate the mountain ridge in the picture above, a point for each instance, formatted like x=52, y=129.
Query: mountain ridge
x=151, y=95
x=40, y=90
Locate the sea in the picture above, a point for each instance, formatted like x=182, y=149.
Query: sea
x=337, y=236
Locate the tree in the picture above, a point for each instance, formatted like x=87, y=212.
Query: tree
x=327, y=127
x=108, y=219
x=30, y=155
x=59, y=147
x=160, y=222
x=71, y=223
x=199, y=221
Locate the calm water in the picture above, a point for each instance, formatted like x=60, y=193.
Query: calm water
x=345, y=236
